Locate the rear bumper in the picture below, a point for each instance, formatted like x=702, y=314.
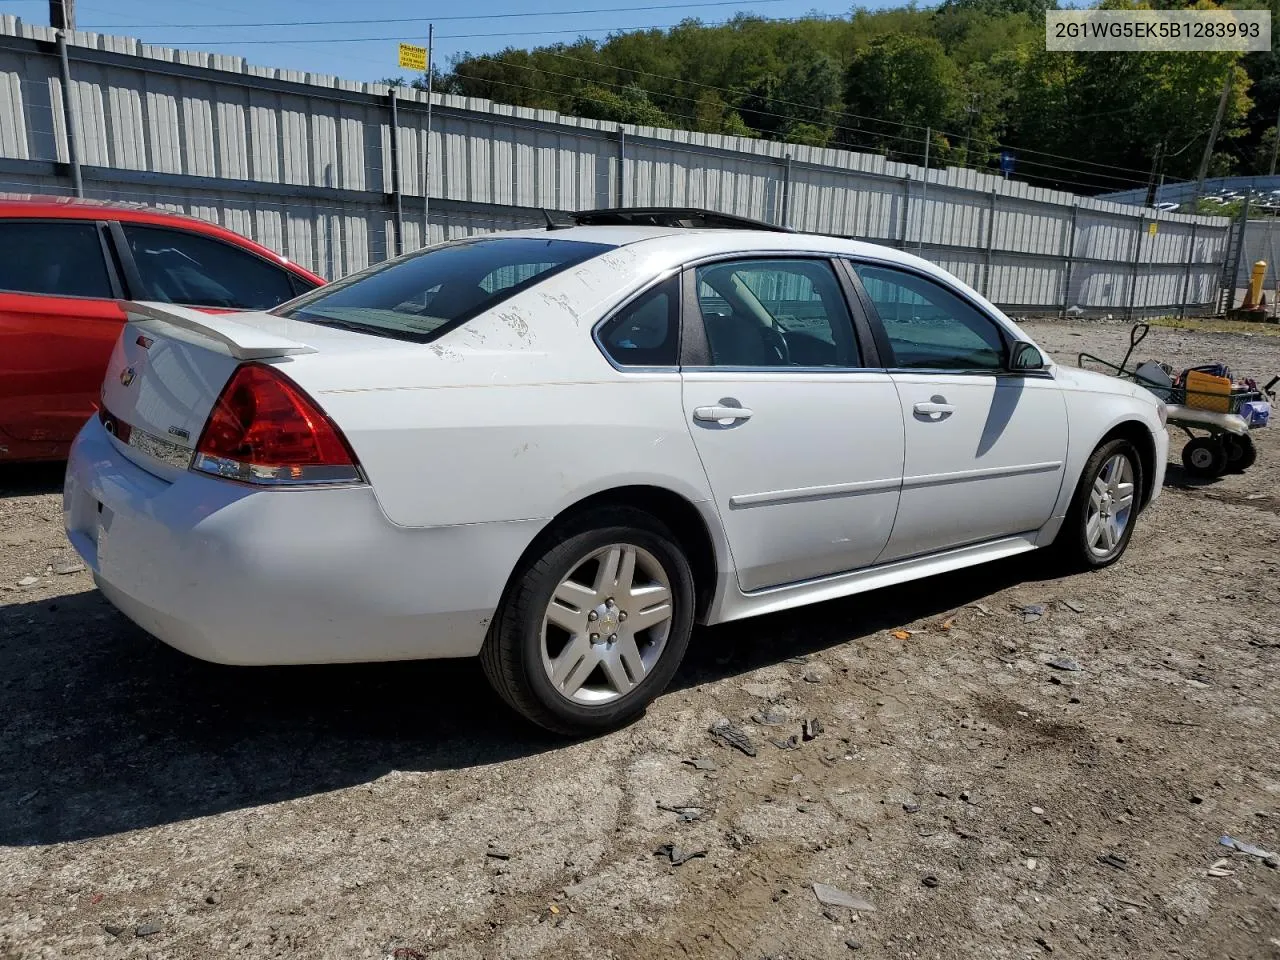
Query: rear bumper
x=232, y=574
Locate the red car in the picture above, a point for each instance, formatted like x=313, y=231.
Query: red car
x=64, y=264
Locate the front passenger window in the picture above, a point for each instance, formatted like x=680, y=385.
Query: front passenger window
x=929, y=327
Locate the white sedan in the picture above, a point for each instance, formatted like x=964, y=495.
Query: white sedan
x=559, y=449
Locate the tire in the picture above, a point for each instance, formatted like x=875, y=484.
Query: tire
x=1204, y=458
x=550, y=665
x=1241, y=452
x=1077, y=544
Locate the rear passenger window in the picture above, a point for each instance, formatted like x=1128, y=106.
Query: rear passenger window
x=60, y=258
x=645, y=333
x=176, y=266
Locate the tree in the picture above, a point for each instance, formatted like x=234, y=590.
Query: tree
x=906, y=83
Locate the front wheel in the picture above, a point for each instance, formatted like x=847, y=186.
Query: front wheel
x=593, y=629
x=1100, y=522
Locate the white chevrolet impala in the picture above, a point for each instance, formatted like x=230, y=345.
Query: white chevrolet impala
x=559, y=449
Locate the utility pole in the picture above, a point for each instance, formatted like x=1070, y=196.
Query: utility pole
x=62, y=14
x=924, y=190
x=1275, y=144
x=1157, y=165
x=1213, y=134
x=426, y=159
x=971, y=110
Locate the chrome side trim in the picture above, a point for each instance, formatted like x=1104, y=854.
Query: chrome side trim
x=824, y=492
x=961, y=476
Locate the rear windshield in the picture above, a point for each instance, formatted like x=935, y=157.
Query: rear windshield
x=421, y=296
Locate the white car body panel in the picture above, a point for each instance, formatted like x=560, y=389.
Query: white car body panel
x=813, y=504
x=474, y=443
x=990, y=468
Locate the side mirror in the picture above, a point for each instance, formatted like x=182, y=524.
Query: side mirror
x=1026, y=357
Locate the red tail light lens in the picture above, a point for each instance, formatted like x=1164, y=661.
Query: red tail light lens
x=265, y=429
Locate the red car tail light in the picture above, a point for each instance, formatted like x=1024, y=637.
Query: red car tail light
x=265, y=429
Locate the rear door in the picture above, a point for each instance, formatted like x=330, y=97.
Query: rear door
x=799, y=431
x=985, y=446
x=58, y=322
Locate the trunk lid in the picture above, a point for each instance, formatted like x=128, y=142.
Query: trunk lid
x=166, y=372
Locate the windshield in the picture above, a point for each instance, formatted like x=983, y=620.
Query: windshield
x=424, y=295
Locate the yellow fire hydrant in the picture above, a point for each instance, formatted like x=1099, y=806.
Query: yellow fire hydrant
x=1254, y=298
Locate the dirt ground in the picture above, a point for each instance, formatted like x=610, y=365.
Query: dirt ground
x=986, y=804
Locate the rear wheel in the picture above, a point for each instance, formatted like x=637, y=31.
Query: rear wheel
x=1100, y=522
x=1204, y=458
x=593, y=629
x=1241, y=453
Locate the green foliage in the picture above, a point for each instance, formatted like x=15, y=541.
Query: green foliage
x=973, y=71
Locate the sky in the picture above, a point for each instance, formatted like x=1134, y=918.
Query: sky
x=478, y=26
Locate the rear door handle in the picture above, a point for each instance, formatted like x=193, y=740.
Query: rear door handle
x=935, y=409
x=718, y=414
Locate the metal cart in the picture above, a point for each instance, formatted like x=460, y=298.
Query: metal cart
x=1226, y=445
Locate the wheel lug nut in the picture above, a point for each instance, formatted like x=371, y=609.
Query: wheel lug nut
x=622, y=616
x=593, y=616
x=595, y=638
x=613, y=638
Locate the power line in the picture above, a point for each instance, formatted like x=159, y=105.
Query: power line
x=620, y=86
x=514, y=33
x=437, y=19
x=839, y=112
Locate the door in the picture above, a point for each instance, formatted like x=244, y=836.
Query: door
x=58, y=323
x=183, y=267
x=985, y=447
x=802, y=443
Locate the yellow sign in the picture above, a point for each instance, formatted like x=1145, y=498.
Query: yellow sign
x=413, y=58
x=1151, y=227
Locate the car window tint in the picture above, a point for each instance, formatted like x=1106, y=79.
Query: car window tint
x=930, y=327
x=645, y=332
x=775, y=313
x=420, y=296
x=62, y=258
x=177, y=266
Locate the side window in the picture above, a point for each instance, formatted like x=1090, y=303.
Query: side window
x=646, y=332
x=62, y=258
x=929, y=327
x=775, y=313
x=181, y=267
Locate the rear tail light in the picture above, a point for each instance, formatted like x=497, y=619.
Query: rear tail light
x=265, y=429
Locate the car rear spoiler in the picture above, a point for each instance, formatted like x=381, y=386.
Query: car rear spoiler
x=240, y=340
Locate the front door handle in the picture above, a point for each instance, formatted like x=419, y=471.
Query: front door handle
x=934, y=409
x=721, y=414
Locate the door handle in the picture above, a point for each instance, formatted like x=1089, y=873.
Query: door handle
x=719, y=413
x=934, y=409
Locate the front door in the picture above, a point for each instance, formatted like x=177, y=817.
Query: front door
x=985, y=447
x=801, y=443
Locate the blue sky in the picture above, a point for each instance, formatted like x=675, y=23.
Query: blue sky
x=481, y=26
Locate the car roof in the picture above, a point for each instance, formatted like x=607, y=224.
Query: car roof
x=15, y=205
x=43, y=205
x=680, y=245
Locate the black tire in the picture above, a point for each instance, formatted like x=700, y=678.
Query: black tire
x=1241, y=452
x=1074, y=552
x=1204, y=458
x=512, y=652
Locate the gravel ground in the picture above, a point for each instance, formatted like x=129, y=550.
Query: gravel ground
x=986, y=804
